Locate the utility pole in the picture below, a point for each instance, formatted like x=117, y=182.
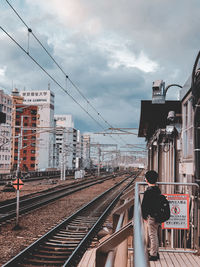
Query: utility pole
x=98, y=146
x=64, y=157
x=17, y=174
x=99, y=155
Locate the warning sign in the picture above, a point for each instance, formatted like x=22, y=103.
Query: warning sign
x=179, y=212
x=17, y=184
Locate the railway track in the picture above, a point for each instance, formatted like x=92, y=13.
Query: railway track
x=29, y=203
x=65, y=244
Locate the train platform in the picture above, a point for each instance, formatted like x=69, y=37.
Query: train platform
x=176, y=259
x=167, y=259
x=126, y=247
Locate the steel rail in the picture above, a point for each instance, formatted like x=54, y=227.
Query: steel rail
x=19, y=259
x=32, y=203
x=83, y=245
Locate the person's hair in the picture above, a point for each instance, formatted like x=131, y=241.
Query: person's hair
x=151, y=176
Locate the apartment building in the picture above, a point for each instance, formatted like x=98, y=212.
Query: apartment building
x=44, y=99
x=86, y=151
x=66, y=140
x=5, y=133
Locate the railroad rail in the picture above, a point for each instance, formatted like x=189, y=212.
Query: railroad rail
x=65, y=244
x=29, y=203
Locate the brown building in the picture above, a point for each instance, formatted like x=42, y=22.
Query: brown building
x=24, y=141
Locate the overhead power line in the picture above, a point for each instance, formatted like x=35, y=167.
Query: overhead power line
x=66, y=76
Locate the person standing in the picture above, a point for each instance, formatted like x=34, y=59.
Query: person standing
x=149, y=207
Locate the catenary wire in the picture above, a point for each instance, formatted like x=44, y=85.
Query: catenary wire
x=73, y=84
x=52, y=78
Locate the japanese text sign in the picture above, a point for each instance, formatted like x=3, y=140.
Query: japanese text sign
x=179, y=212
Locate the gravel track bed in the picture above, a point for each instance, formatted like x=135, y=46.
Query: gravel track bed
x=43, y=219
x=33, y=187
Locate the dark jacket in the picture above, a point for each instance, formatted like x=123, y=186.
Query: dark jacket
x=150, y=200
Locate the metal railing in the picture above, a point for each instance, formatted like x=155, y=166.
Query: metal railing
x=169, y=239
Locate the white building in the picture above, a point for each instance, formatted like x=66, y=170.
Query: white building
x=5, y=133
x=66, y=142
x=44, y=99
x=86, y=150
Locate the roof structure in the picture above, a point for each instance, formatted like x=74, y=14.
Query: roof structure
x=154, y=116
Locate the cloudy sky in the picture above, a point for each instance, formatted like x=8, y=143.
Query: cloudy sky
x=111, y=50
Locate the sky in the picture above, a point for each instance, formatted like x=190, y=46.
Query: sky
x=111, y=50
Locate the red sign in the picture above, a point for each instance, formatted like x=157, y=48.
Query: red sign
x=18, y=184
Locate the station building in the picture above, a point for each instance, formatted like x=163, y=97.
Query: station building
x=171, y=129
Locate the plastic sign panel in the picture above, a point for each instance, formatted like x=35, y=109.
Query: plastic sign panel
x=179, y=212
x=18, y=184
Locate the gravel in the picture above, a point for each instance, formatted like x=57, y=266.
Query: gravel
x=43, y=219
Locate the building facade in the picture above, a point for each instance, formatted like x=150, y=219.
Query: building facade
x=5, y=133
x=25, y=138
x=44, y=99
x=86, y=151
x=66, y=142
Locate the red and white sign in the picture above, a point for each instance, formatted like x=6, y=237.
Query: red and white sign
x=18, y=184
x=179, y=212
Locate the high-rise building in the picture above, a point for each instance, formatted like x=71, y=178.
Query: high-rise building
x=25, y=146
x=44, y=99
x=67, y=140
x=5, y=133
x=86, y=151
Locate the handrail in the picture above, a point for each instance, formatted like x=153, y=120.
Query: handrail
x=140, y=258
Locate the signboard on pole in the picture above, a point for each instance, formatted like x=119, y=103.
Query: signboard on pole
x=18, y=184
x=179, y=209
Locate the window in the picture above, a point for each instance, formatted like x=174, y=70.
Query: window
x=16, y=150
x=25, y=124
x=33, y=111
x=32, y=165
x=33, y=144
x=24, y=151
x=34, y=118
x=32, y=151
x=24, y=158
x=34, y=124
x=32, y=158
x=17, y=123
x=15, y=158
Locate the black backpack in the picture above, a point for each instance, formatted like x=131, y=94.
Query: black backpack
x=162, y=213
